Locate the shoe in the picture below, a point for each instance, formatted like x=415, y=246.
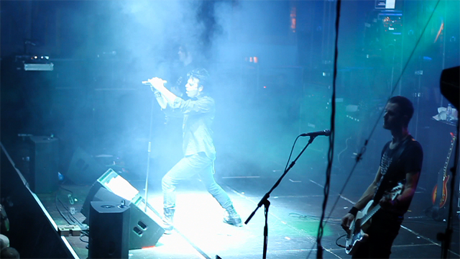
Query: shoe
x=168, y=229
x=232, y=218
x=168, y=220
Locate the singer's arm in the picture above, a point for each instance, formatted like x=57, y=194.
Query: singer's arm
x=158, y=84
x=160, y=99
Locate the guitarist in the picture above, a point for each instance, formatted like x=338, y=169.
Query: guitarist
x=401, y=161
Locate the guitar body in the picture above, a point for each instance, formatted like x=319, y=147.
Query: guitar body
x=443, y=194
x=434, y=194
x=357, y=234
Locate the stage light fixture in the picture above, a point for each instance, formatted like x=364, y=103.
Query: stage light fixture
x=35, y=63
x=118, y=185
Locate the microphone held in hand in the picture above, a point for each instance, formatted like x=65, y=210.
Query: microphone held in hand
x=316, y=133
x=154, y=81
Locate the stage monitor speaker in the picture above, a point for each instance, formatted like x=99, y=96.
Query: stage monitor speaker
x=450, y=85
x=108, y=230
x=143, y=230
x=83, y=168
x=44, y=158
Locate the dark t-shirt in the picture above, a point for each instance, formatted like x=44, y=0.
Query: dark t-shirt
x=394, y=165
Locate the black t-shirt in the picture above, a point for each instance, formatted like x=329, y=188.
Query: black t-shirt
x=394, y=165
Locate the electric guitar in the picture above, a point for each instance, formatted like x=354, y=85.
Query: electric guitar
x=445, y=178
x=357, y=234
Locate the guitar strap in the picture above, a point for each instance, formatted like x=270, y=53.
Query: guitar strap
x=388, y=177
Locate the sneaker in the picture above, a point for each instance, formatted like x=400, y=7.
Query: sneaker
x=232, y=218
x=168, y=228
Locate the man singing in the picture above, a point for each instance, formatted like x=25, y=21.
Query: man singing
x=401, y=162
x=199, y=152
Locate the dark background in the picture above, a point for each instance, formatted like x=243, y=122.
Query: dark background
x=102, y=50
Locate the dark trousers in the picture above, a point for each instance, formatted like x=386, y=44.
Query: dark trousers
x=187, y=167
x=382, y=232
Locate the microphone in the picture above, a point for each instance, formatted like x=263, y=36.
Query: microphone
x=146, y=82
x=316, y=133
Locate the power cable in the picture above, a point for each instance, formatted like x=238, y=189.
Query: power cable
x=330, y=157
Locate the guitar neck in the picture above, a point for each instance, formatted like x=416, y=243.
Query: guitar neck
x=370, y=214
x=446, y=164
x=393, y=194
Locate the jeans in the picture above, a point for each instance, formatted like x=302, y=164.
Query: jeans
x=187, y=167
x=382, y=232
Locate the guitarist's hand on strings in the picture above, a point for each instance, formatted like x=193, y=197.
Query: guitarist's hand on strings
x=388, y=204
x=385, y=202
x=346, y=221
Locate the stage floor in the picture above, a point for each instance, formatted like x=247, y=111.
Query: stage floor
x=293, y=220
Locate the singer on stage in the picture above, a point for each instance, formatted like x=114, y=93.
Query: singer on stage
x=199, y=152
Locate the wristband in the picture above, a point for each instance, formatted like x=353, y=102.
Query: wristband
x=353, y=211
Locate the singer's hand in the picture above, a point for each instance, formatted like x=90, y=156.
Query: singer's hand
x=157, y=83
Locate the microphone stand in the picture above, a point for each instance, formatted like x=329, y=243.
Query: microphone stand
x=149, y=151
x=264, y=201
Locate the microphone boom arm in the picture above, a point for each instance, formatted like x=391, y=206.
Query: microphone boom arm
x=264, y=201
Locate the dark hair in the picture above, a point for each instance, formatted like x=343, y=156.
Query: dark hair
x=203, y=75
x=405, y=106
